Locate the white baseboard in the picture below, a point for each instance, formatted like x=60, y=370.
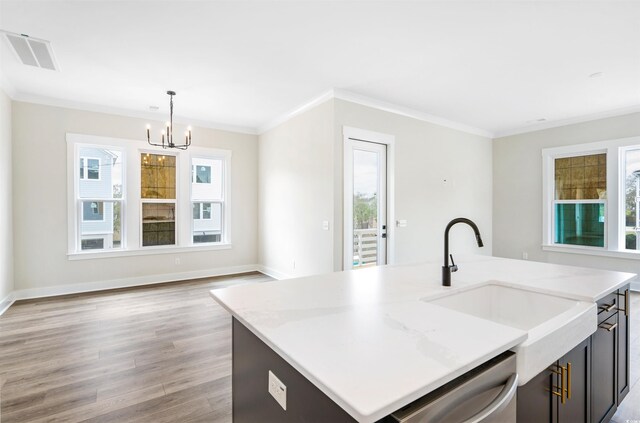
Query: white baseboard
x=6, y=302
x=51, y=291
x=275, y=274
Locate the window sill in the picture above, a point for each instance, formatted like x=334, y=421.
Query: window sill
x=629, y=255
x=148, y=251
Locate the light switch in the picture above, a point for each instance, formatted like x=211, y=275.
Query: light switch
x=401, y=223
x=325, y=225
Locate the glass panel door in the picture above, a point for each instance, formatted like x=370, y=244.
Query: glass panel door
x=365, y=175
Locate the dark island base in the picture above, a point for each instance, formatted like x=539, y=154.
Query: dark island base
x=252, y=361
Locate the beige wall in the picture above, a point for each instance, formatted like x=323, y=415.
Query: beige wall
x=301, y=184
x=517, y=189
x=425, y=155
x=40, y=200
x=6, y=226
x=296, y=194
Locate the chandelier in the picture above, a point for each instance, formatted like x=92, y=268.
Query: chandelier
x=169, y=131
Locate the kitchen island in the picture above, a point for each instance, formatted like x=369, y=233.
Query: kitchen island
x=370, y=341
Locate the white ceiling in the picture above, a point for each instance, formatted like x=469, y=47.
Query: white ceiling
x=496, y=66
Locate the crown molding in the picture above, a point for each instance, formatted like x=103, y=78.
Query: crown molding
x=568, y=121
x=316, y=101
x=375, y=104
x=154, y=116
x=408, y=112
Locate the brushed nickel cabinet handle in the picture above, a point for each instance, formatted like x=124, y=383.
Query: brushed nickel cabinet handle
x=626, y=302
x=608, y=307
x=609, y=327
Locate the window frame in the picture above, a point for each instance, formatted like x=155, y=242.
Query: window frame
x=131, y=199
x=224, y=201
x=614, y=210
x=174, y=201
x=76, y=219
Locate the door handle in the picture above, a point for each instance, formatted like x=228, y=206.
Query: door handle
x=500, y=403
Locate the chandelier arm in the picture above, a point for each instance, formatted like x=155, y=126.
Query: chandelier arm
x=169, y=134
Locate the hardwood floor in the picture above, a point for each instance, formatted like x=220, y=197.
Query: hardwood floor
x=148, y=354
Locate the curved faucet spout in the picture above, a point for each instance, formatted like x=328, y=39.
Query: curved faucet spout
x=447, y=269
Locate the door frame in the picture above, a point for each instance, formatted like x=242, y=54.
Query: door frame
x=357, y=134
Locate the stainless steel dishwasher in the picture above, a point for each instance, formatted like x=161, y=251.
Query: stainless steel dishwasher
x=485, y=394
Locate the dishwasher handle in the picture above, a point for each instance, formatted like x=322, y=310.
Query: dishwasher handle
x=500, y=403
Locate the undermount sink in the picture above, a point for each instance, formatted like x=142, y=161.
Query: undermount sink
x=554, y=325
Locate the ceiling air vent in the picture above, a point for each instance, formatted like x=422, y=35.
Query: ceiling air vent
x=32, y=51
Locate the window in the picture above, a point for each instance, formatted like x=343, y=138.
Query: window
x=93, y=244
x=92, y=210
x=158, y=192
x=207, y=199
x=98, y=197
x=90, y=168
x=201, y=174
x=591, y=196
x=631, y=198
x=201, y=211
x=127, y=200
x=580, y=200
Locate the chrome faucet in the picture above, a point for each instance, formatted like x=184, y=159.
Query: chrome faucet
x=446, y=269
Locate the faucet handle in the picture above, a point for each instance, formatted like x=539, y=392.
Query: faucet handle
x=454, y=267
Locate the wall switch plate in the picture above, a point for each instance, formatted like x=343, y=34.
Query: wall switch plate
x=401, y=223
x=325, y=225
x=278, y=390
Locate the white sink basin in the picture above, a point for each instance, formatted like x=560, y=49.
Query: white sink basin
x=554, y=325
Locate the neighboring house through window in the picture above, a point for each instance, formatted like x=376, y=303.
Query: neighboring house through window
x=98, y=195
x=207, y=199
x=182, y=200
x=90, y=168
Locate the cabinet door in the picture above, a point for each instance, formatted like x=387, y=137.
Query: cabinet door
x=577, y=396
x=603, y=370
x=535, y=403
x=624, y=315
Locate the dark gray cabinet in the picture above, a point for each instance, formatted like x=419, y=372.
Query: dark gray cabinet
x=576, y=363
x=535, y=403
x=603, y=370
x=623, y=343
x=561, y=393
x=589, y=382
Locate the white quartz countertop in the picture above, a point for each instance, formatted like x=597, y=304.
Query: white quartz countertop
x=369, y=341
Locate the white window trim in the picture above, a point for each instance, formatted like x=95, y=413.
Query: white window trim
x=131, y=199
x=85, y=168
x=225, y=201
x=614, y=244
